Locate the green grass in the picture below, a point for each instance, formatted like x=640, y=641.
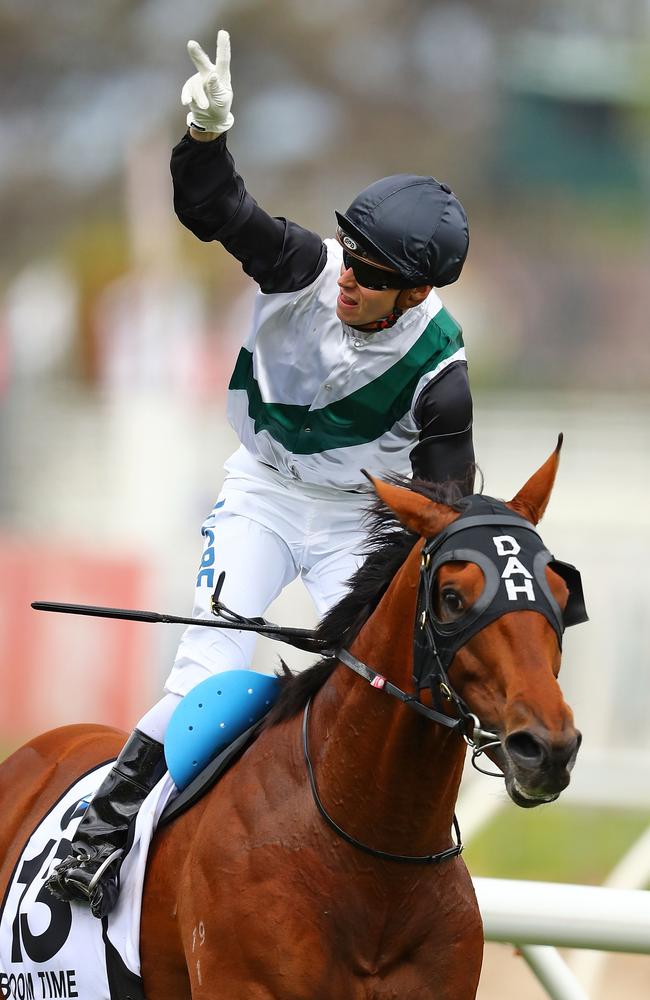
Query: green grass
x=557, y=843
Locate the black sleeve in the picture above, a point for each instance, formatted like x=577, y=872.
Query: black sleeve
x=210, y=199
x=443, y=412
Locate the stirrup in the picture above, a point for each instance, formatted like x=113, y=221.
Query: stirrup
x=101, y=898
x=87, y=889
x=119, y=853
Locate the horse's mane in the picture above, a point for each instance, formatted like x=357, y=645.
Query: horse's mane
x=387, y=545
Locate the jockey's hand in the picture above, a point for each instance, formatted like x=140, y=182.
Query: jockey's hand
x=208, y=93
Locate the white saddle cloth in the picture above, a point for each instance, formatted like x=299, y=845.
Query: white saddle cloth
x=49, y=948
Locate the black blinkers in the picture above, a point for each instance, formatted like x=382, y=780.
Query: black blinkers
x=512, y=558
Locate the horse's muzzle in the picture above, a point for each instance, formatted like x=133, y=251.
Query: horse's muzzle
x=538, y=765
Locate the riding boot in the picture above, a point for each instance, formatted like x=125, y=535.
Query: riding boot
x=91, y=873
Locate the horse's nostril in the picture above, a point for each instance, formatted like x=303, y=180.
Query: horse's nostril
x=525, y=749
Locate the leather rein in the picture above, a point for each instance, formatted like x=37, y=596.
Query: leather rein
x=465, y=723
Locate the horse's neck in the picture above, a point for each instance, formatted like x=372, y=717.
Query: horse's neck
x=388, y=775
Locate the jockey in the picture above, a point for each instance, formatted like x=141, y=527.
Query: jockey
x=352, y=362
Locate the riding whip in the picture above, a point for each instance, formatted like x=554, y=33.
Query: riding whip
x=225, y=618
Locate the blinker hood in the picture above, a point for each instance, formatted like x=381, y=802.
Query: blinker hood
x=513, y=559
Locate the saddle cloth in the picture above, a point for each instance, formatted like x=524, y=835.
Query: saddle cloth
x=49, y=948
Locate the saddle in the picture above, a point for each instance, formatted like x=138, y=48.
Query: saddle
x=211, y=728
x=210, y=774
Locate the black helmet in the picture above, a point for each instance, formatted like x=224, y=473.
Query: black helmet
x=414, y=224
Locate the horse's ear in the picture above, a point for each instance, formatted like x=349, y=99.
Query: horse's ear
x=532, y=499
x=417, y=513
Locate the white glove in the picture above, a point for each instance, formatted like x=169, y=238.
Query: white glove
x=208, y=93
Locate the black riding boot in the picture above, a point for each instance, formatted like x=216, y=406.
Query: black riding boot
x=92, y=872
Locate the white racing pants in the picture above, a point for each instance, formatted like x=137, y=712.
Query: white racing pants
x=264, y=531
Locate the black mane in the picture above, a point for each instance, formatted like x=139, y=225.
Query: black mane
x=387, y=546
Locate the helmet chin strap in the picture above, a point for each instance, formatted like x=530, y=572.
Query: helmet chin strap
x=387, y=321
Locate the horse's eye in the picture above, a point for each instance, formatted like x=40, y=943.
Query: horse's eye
x=452, y=601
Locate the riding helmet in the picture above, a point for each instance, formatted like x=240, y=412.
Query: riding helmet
x=414, y=224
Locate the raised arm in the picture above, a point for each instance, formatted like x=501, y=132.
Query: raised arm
x=210, y=197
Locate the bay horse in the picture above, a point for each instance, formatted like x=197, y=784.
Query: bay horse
x=322, y=865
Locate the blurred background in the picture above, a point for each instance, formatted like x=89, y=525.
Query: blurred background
x=118, y=332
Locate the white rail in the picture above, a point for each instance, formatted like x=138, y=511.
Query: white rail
x=567, y=916
x=553, y=973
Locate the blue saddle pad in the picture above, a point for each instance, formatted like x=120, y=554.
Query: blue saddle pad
x=211, y=716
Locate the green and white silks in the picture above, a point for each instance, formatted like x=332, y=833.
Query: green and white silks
x=319, y=400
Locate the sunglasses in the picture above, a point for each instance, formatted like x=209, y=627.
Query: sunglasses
x=368, y=273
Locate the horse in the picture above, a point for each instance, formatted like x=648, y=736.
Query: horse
x=324, y=863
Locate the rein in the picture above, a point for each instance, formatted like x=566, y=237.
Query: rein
x=450, y=852
x=466, y=723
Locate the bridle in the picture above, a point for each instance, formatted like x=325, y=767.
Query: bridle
x=435, y=643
